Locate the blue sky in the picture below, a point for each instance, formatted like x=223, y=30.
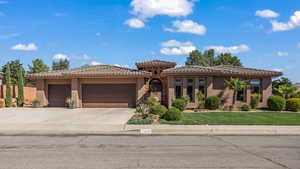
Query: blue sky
x=262, y=33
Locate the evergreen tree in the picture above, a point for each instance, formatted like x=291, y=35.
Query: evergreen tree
x=20, y=88
x=8, y=99
x=38, y=66
x=61, y=65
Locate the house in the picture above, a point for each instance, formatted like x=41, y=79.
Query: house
x=297, y=85
x=112, y=86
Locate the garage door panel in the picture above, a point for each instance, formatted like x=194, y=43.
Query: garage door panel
x=57, y=95
x=108, y=95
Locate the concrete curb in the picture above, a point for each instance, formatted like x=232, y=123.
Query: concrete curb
x=62, y=129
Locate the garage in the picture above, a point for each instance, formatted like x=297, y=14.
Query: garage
x=57, y=95
x=108, y=95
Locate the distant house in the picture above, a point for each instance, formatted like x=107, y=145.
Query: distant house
x=113, y=86
x=297, y=85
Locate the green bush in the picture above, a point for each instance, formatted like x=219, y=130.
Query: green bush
x=293, y=104
x=246, y=107
x=158, y=110
x=254, y=101
x=276, y=103
x=140, y=121
x=173, y=114
x=152, y=101
x=212, y=102
x=180, y=103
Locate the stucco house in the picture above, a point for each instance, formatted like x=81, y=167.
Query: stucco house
x=112, y=86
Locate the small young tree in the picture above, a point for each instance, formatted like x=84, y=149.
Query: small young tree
x=236, y=85
x=8, y=99
x=38, y=66
x=20, y=88
x=63, y=64
x=286, y=91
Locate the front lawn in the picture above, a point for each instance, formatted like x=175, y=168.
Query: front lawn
x=237, y=118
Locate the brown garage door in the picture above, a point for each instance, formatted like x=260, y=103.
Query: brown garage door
x=108, y=95
x=57, y=95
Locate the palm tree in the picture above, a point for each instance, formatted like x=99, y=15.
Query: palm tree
x=286, y=91
x=236, y=85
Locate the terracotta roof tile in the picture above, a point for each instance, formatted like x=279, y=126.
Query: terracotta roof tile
x=99, y=70
x=222, y=70
x=154, y=63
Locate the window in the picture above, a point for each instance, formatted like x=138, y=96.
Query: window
x=255, y=86
x=155, y=72
x=218, y=83
x=190, y=89
x=178, y=88
x=240, y=95
x=202, y=86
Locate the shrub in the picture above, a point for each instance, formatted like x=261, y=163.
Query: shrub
x=36, y=102
x=152, y=101
x=201, y=99
x=246, y=107
x=173, y=114
x=212, y=103
x=142, y=108
x=293, y=104
x=14, y=105
x=158, y=110
x=180, y=104
x=140, y=121
x=70, y=102
x=276, y=103
x=2, y=103
x=254, y=100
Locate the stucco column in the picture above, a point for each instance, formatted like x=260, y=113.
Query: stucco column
x=209, y=86
x=171, y=90
x=41, y=92
x=248, y=95
x=196, y=90
x=266, y=84
x=141, y=90
x=75, y=91
x=184, y=89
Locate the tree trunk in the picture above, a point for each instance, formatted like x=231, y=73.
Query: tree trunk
x=234, y=97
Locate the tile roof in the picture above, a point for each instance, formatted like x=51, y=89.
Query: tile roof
x=222, y=70
x=153, y=63
x=91, y=71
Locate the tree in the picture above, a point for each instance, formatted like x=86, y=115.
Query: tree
x=208, y=58
x=286, y=91
x=8, y=99
x=227, y=59
x=38, y=66
x=62, y=64
x=20, y=100
x=14, y=68
x=280, y=82
x=236, y=85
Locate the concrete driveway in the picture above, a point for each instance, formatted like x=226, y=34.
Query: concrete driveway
x=52, y=118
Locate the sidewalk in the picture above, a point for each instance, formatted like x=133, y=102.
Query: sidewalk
x=55, y=129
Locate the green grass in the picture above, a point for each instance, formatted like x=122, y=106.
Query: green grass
x=140, y=121
x=237, y=118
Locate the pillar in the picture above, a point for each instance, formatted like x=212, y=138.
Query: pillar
x=75, y=87
x=41, y=92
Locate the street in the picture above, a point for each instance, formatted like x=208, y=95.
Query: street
x=167, y=152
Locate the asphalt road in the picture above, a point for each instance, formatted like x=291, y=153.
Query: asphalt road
x=131, y=152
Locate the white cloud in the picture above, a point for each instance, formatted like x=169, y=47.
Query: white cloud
x=284, y=26
x=58, y=14
x=277, y=69
x=231, y=49
x=149, y=8
x=135, y=23
x=174, y=47
x=8, y=36
x=98, y=34
x=3, y=2
x=24, y=47
x=125, y=66
x=94, y=63
x=282, y=53
x=267, y=13
x=187, y=26
x=298, y=45
x=60, y=56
